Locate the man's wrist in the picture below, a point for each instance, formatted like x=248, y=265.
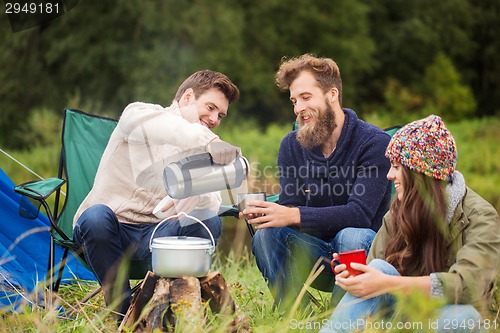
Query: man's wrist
x=295, y=216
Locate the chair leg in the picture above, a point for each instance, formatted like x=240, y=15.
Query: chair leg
x=250, y=228
x=64, y=259
x=313, y=299
x=53, y=285
x=91, y=294
x=50, y=274
x=85, y=299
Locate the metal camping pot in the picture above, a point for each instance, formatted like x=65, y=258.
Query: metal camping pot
x=177, y=256
x=198, y=174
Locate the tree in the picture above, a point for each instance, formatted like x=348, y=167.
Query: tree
x=483, y=63
x=410, y=34
x=275, y=29
x=102, y=55
x=445, y=92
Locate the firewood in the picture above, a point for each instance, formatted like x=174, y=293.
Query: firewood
x=214, y=289
x=139, y=301
x=159, y=300
x=185, y=298
x=156, y=317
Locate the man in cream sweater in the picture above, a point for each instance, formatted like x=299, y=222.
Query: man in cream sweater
x=115, y=221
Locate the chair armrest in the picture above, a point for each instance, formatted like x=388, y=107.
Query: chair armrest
x=39, y=189
x=228, y=210
x=273, y=198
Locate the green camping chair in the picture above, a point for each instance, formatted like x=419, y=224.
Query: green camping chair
x=84, y=138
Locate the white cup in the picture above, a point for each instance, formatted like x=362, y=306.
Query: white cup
x=157, y=211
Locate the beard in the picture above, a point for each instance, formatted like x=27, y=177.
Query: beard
x=314, y=135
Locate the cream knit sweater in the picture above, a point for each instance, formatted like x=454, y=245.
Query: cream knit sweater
x=130, y=175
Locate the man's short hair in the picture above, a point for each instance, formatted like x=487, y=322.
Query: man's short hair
x=204, y=80
x=325, y=71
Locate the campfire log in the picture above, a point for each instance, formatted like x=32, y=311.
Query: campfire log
x=155, y=304
x=185, y=297
x=158, y=306
x=214, y=289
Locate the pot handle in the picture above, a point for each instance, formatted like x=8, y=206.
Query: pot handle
x=188, y=216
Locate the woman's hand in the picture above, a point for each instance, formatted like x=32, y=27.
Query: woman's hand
x=367, y=285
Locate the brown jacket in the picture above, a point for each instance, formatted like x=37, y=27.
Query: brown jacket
x=473, y=258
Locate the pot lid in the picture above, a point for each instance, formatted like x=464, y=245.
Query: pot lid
x=181, y=242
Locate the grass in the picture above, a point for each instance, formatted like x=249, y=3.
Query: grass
x=249, y=291
x=244, y=280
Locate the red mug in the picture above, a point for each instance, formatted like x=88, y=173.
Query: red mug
x=357, y=256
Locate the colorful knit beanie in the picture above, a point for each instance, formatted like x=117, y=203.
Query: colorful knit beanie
x=425, y=146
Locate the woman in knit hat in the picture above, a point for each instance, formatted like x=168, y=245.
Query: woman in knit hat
x=439, y=237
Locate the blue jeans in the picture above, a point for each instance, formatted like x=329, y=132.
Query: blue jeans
x=285, y=258
x=107, y=244
x=351, y=312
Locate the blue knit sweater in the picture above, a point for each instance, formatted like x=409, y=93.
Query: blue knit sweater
x=347, y=189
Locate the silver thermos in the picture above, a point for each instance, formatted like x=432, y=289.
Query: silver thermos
x=198, y=174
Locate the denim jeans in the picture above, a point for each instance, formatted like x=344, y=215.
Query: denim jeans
x=351, y=312
x=107, y=243
x=285, y=258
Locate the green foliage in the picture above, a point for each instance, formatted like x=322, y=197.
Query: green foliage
x=275, y=29
x=43, y=161
x=141, y=50
x=416, y=311
x=479, y=156
x=100, y=56
x=439, y=92
x=108, y=54
x=248, y=287
x=42, y=128
x=445, y=94
x=176, y=38
x=404, y=104
x=485, y=70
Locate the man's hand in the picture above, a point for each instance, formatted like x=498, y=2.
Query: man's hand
x=271, y=215
x=186, y=205
x=175, y=206
x=222, y=152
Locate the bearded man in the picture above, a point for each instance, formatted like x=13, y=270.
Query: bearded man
x=333, y=186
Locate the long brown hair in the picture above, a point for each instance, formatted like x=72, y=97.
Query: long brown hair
x=419, y=242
